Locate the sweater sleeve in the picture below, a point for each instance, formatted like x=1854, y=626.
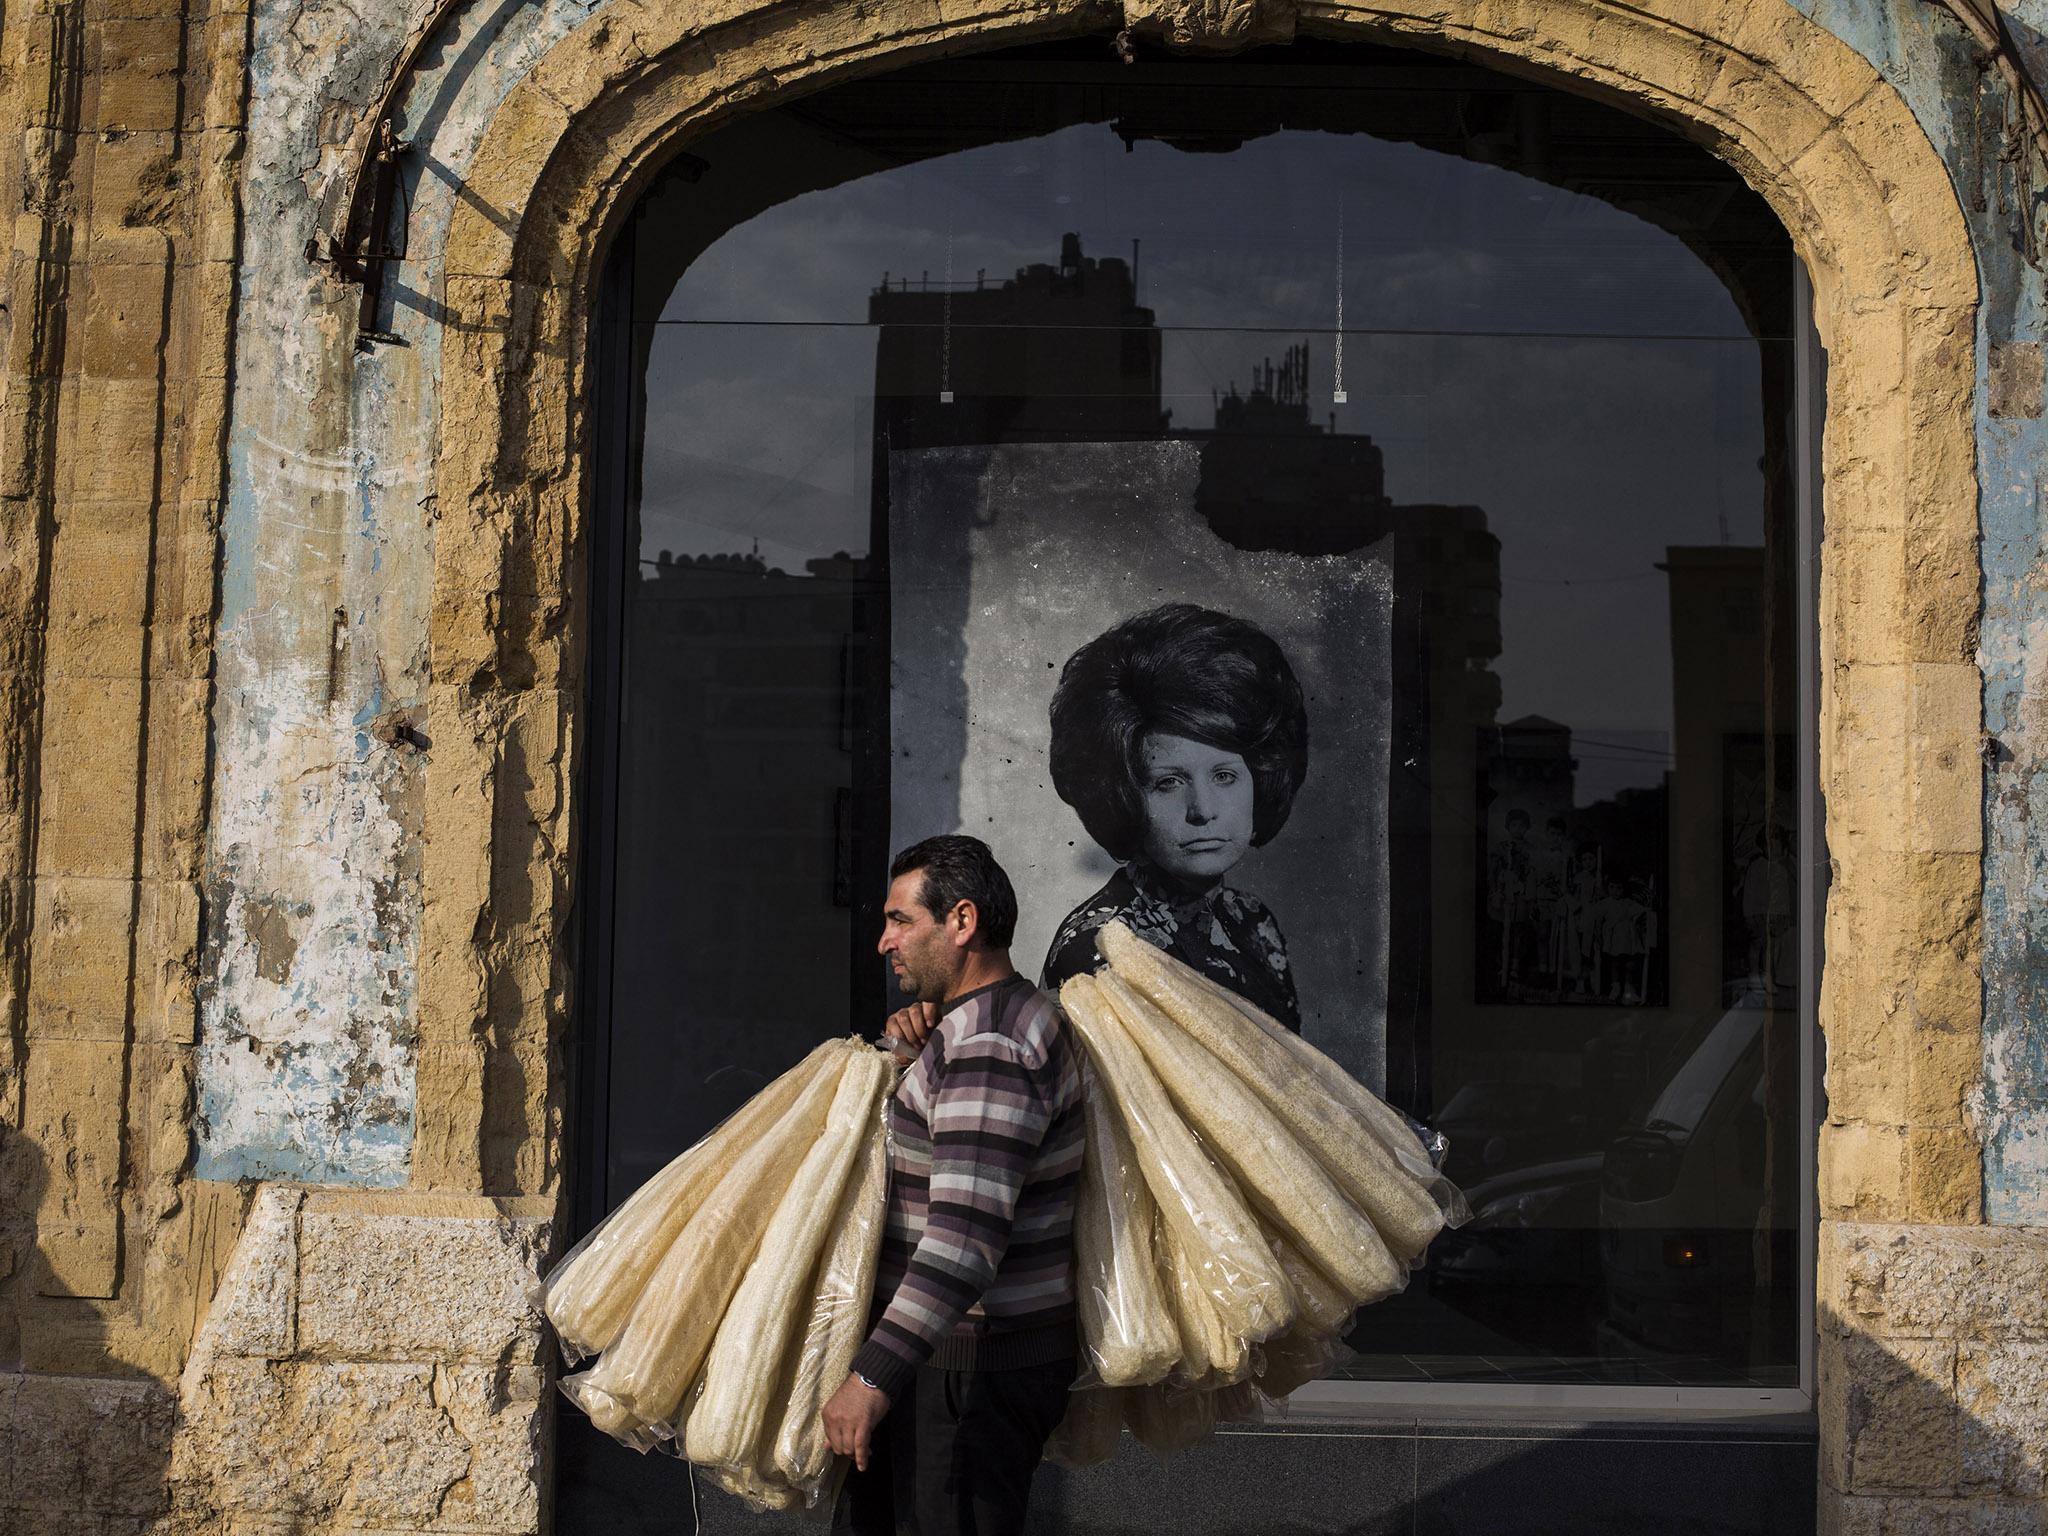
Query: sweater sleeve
x=988, y=1118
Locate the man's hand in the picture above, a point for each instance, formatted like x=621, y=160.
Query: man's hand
x=912, y=1026
x=850, y=1419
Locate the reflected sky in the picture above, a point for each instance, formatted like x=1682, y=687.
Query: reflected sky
x=1572, y=369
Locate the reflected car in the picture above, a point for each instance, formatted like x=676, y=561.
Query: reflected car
x=1681, y=1191
x=1530, y=1227
x=1498, y=1125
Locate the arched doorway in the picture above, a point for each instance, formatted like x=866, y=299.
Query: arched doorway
x=1537, y=488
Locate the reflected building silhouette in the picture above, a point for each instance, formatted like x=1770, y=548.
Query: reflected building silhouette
x=1069, y=353
x=746, y=769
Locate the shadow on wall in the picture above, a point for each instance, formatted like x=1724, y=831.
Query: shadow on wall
x=1899, y=1438
x=82, y=1452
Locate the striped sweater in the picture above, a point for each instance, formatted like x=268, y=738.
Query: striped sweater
x=977, y=1268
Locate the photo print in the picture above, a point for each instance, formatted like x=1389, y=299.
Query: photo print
x=1014, y=566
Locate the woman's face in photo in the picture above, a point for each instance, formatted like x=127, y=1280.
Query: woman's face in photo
x=1198, y=807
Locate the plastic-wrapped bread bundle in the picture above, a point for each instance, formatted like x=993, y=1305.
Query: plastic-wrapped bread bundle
x=1293, y=1360
x=1089, y=1433
x=608, y=1413
x=757, y=1491
x=1201, y=1208
x=1322, y=1308
x=1281, y=1071
x=663, y=1345
x=1210, y=1353
x=1273, y=1170
x=589, y=1294
x=763, y=1328
x=1417, y=1150
x=838, y=1319
x=1238, y=1404
x=1128, y=1336
x=1168, y=1418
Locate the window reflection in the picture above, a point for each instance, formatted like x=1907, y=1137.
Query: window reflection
x=1569, y=921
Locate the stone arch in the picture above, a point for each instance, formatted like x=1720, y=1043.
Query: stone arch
x=1805, y=119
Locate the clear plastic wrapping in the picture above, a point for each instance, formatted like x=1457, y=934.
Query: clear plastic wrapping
x=1269, y=1169
x=1093, y=1425
x=838, y=1320
x=1293, y=1360
x=1128, y=1337
x=592, y=1290
x=1168, y=1418
x=672, y=1326
x=1211, y=1352
x=1201, y=1208
x=1271, y=1160
x=749, y=1316
x=1389, y=1173
x=747, y=1373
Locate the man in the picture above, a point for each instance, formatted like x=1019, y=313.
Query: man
x=966, y=1371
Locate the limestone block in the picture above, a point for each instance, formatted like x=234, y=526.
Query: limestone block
x=1212, y=25
x=124, y=325
x=50, y=1522
x=416, y=1287
x=502, y=1414
x=89, y=1445
x=78, y=989
x=1932, y=1282
x=254, y=1311
x=447, y=1146
x=110, y=451
x=1942, y=1068
x=2002, y=1390
x=135, y=179
x=1889, y=1422
x=99, y=591
x=1944, y=1175
x=173, y=816
x=276, y=1427
x=380, y=1437
x=1945, y=763
x=1863, y=1170
x=363, y=1445
x=1918, y=196
x=78, y=1258
x=1847, y=1515
x=72, y=1119
x=90, y=757
x=138, y=86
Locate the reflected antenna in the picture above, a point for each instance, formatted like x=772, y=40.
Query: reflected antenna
x=1337, y=394
x=946, y=327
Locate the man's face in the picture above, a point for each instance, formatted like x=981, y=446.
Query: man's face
x=919, y=947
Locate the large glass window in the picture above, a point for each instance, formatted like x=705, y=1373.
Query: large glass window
x=1476, y=399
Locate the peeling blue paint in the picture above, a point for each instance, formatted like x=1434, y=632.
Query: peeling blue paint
x=1968, y=115
x=328, y=572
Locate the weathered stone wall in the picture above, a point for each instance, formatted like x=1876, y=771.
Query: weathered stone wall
x=122, y=151
x=389, y=538
x=369, y=1364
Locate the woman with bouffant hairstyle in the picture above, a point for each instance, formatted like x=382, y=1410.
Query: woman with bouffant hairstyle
x=1180, y=739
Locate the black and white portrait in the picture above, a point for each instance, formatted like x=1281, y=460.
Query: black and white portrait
x=1180, y=739
x=1148, y=722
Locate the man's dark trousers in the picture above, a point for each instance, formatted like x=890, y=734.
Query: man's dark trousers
x=955, y=1454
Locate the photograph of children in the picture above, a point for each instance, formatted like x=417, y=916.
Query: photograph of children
x=1759, y=871
x=1571, y=898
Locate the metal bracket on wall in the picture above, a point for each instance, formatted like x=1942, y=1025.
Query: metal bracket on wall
x=1986, y=23
x=350, y=236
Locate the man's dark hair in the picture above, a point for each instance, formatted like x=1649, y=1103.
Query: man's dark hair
x=958, y=869
x=1179, y=670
